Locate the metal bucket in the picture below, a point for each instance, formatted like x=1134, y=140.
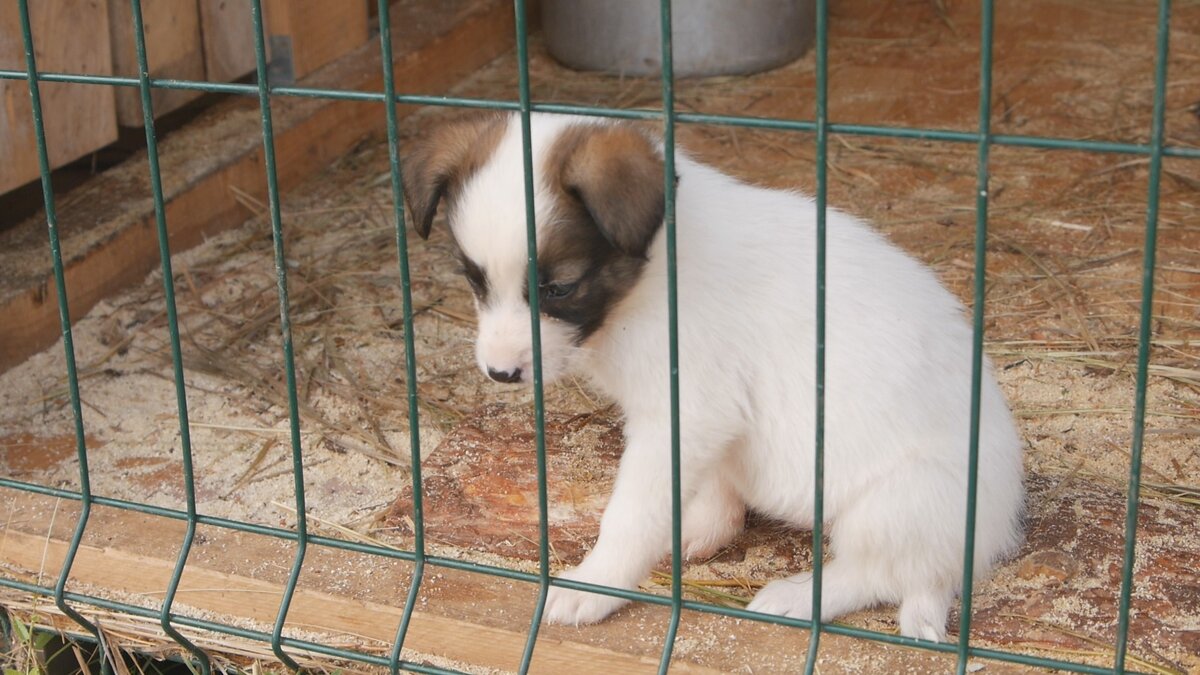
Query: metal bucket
x=710, y=37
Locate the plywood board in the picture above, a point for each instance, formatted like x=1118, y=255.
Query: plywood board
x=306, y=34
x=124, y=573
x=228, y=39
x=301, y=36
x=71, y=37
x=173, y=50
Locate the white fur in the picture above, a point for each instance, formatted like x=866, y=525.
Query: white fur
x=897, y=394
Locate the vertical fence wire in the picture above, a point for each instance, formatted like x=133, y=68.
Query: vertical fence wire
x=285, y=327
x=164, y=253
x=64, y=315
x=668, y=104
x=410, y=354
x=1144, y=329
x=818, y=520
x=979, y=288
x=539, y=408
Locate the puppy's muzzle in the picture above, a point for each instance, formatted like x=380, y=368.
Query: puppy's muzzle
x=506, y=376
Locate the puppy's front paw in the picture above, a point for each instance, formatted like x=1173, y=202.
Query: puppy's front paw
x=573, y=608
x=786, y=597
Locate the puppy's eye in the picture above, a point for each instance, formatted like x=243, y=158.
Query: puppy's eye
x=475, y=277
x=558, y=291
x=476, y=283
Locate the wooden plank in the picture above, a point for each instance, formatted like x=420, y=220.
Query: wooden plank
x=236, y=596
x=302, y=35
x=70, y=134
x=228, y=39
x=107, y=226
x=173, y=50
x=306, y=34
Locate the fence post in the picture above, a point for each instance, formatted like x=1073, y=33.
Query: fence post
x=64, y=313
x=164, y=253
x=410, y=355
x=977, y=313
x=1144, y=329
x=822, y=166
x=539, y=408
x=285, y=326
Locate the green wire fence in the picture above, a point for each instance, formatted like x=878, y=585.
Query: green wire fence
x=820, y=125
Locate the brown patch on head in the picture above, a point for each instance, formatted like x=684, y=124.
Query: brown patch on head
x=442, y=161
x=614, y=172
x=608, y=186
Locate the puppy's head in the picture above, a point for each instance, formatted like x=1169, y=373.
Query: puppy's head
x=598, y=208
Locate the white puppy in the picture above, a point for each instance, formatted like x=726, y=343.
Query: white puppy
x=898, y=363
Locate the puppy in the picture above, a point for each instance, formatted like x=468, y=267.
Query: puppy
x=898, y=363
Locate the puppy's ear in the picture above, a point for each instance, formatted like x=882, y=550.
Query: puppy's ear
x=442, y=161
x=617, y=173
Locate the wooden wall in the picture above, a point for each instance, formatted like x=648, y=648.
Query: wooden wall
x=209, y=40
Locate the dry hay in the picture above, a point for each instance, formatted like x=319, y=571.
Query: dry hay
x=1065, y=241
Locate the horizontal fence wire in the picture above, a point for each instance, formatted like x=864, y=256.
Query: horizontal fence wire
x=363, y=657
x=1156, y=149
x=780, y=124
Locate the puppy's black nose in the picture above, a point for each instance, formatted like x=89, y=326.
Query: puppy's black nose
x=504, y=375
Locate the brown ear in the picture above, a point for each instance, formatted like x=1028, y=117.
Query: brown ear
x=443, y=160
x=617, y=173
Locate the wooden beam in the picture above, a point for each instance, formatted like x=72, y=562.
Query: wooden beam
x=107, y=226
x=236, y=596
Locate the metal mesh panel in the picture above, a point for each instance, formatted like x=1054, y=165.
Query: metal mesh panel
x=1155, y=150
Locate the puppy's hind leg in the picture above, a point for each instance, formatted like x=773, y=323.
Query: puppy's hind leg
x=923, y=613
x=906, y=529
x=714, y=515
x=844, y=588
